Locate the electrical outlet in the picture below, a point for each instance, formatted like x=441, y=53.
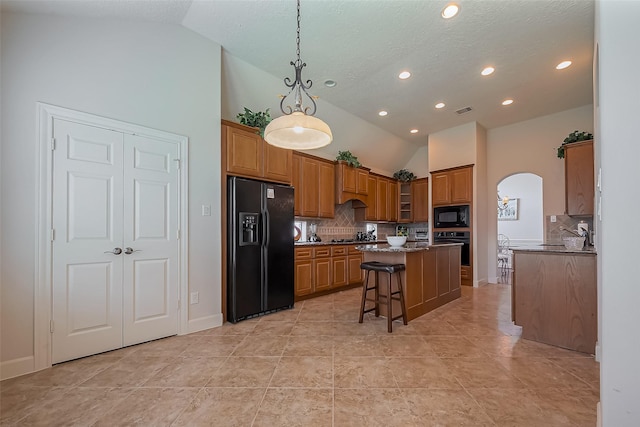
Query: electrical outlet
x=206, y=210
x=195, y=297
x=553, y=218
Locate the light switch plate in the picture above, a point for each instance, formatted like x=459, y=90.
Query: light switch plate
x=553, y=218
x=206, y=210
x=195, y=297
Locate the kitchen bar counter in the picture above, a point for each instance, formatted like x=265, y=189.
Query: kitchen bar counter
x=554, y=296
x=431, y=278
x=559, y=249
x=354, y=242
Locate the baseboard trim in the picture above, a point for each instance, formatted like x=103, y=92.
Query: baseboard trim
x=202, y=323
x=478, y=283
x=16, y=367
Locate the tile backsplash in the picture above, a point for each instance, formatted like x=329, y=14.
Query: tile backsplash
x=344, y=225
x=555, y=234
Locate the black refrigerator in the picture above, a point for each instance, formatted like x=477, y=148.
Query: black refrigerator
x=260, y=248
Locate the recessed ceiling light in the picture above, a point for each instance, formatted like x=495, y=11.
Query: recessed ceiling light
x=563, y=65
x=450, y=11
x=404, y=75
x=507, y=102
x=440, y=105
x=414, y=131
x=487, y=71
x=382, y=113
x=330, y=83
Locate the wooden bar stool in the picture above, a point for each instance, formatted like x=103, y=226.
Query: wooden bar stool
x=378, y=299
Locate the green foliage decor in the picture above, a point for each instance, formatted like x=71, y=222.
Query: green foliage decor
x=259, y=119
x=404, y=175
x=349, y=158
x=575, y=136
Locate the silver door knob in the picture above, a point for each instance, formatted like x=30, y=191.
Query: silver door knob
x=129, y=251
x=115, y=251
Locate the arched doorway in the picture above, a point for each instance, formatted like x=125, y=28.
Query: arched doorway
x=521, y=220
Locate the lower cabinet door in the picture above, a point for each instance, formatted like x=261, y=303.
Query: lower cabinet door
x=355, y=273
x=339, y=271
x=322, y=274
x=303, y=278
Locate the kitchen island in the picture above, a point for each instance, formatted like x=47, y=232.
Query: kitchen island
x=554, y=296
x=431, y=278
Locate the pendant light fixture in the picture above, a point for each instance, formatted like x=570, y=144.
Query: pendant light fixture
x=298, y=129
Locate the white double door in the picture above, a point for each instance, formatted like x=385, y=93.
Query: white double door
x=115, y=240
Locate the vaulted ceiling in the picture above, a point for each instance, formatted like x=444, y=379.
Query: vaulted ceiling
x=364, y=44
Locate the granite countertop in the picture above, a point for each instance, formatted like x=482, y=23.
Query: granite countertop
x=329, y=242
x=554, y=248
x=407, y=247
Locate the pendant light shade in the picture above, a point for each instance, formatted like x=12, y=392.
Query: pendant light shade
x=298, y=131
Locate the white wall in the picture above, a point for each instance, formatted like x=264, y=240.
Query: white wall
x=156, y=75
x=419, y=163
x=452, y=147
x=617, y=33
x=528, y=228
x=530, y=146
x=480, y=207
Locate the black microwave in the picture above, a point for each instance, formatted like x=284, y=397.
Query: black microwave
x=451, y=216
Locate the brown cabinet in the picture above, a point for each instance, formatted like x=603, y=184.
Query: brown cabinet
x=370, y=212
x=555, y=298
x=313, y=180
x=382, y=199
x=339, y=266
x=393, y=200
x=354, y=260
x=303, y=275
x=322, y=268
x=452, y=186
x=309, y=185
x=326, y=205
x=420, y=200
x=579, y=178
x=296, y=182
x=405, y=213
x=247, y=154
x=351, y=183
x=326, y=268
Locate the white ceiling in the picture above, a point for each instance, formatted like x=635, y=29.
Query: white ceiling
x=364, y=44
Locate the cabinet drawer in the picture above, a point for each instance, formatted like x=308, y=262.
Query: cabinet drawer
x=338, y=251
x=303, y=253
x=321, y=252
x=353, y=250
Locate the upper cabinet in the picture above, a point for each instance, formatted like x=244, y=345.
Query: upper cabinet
x=351, y=183
x=420, y=199
x=247, y=154
x=452, y=186
x=313, y=181
x=579, y=178
x=405, y=213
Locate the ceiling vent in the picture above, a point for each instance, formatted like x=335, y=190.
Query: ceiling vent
x=463, y=110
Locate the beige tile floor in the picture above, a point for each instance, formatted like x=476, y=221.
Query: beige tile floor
x=314, y=365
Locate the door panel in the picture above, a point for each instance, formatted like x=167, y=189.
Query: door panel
x=150, y=280
x=87, y=221
x=112, y=192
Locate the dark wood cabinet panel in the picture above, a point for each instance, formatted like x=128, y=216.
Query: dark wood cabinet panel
x=339, y=271
x=244, y=152
x=382, y=199
x=579, y=178
x=309, y=186
x=322, y=274
x=556, y=299
x=296, y=182
x=277, y=163
x=303, y=277
x=420, y=200
x=393, y=200
x=326, y=189
x=452, y=186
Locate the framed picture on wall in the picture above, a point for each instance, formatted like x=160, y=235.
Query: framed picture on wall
x=508, y=212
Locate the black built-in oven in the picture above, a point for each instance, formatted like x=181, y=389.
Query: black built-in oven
x=463, y=237
x=451, y=216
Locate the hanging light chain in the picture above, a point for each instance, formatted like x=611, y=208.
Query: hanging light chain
x=298, y=34
x=297, y=86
